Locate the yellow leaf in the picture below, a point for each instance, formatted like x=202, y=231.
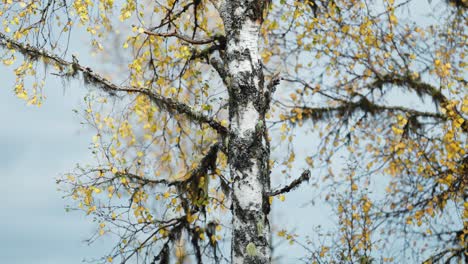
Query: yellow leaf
x=340, y=208
x=113, y=151
x=324, y=251
x=91, y=209
x=282, y=197
x=9, y=62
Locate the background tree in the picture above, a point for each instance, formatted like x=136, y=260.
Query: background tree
x=184, y=131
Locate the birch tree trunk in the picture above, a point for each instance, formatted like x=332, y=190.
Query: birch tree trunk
x=248, y=144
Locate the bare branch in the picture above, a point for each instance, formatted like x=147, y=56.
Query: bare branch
x=305, y=176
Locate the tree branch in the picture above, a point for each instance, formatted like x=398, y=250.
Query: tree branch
x=170, y=105
x=421, y=88
x=174, y=33
x=142, y=180
x=403, y=81
x=181, y=108
x=348, y=107
x=305, y=176
x=208, y=162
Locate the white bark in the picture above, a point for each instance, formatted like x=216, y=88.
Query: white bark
x=248, y=149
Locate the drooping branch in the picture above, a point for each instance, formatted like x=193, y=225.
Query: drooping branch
x=208, y=162
x=170, y=105
x=421, y=88
x=418, y=86
x=305, y=176
x=364, y=105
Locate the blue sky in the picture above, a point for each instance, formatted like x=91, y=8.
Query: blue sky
x=36, y=145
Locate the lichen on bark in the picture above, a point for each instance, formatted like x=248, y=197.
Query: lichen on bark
x=248, y=151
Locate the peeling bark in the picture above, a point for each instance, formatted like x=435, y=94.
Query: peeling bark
x=248, y=149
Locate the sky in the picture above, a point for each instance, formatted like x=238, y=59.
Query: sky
x=37, y=145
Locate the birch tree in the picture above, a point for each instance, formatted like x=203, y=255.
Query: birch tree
x=212, y=99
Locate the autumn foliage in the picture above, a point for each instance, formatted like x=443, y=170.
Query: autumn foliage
x=365, y=105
